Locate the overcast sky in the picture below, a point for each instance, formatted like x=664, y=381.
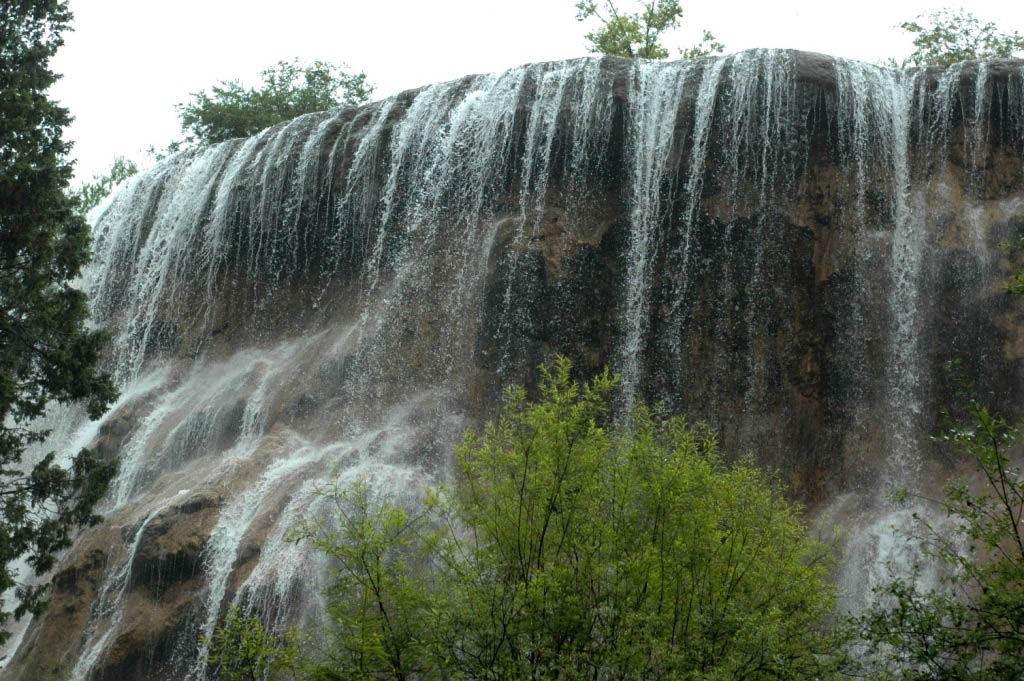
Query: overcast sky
x=128, y=62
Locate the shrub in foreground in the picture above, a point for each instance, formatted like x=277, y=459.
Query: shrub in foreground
x=573, y=548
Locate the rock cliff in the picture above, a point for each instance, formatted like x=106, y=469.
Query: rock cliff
x=788, y=245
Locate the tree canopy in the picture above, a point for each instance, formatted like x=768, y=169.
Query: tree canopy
x=46, y=351
x=949, y=36
x=572, y=548
x=289, y=89
x=638, y=34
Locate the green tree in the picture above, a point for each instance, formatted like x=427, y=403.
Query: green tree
x=637, y=34
x=289, y=89
x=242, y=649
x=90, y=194
x=46, y=352
x=707, y=47
x=949, y=36
x=384, y=597
x=972, y=627
x=572, y=548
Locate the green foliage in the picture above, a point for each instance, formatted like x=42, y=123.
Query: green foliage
x=1015, y=283
x=90, y=194
x=637, y=34
x=973, y=627
x=46, y=351
x=382, y=594
x=946, y=37
x=289, y=89
x=242, y=649
x=707, y=47
x=575, y=549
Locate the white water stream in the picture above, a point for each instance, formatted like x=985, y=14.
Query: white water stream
x=341, y=295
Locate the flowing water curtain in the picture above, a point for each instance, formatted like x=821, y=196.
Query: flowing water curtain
x=313, y=298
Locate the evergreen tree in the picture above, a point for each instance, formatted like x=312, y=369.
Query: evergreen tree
x=46, y=352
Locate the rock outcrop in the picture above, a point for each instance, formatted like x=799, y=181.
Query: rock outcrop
x=788, y=245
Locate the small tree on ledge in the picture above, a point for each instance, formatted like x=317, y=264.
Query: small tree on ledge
x=637, y=34
x=946, y=37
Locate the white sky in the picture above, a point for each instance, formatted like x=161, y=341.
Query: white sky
x=128, y=62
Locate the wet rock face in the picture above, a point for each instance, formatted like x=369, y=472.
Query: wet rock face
x=75, y=588
x=170, y=548
x=155, y=591
x=788, y=245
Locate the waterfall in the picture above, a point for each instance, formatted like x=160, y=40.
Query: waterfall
x=785, y=244
x=655, y=93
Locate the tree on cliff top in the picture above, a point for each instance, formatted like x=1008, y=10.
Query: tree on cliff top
x=46, y=351
x=637, y=34
x=946, y=37
x=289, y=89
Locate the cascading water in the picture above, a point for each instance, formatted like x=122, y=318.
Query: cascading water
x=916, y=123
x=657, y=91
x=785, y=244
